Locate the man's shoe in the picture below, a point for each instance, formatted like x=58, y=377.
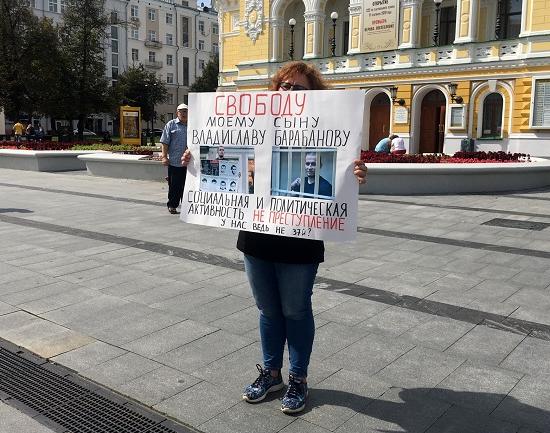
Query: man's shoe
x=264, y=384
x=173, y=210
x=295, y=396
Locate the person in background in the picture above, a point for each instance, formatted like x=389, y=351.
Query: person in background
x=384, y=145
x=39, y=132
x=281, y=271
x=397, y=146
x=174, y=144
x=18, y=129
x=29, y=131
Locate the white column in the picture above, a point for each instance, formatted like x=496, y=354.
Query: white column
x=313, y=34
x=467, y=14
x=355, y=23
x=409, y=23
x=277, y=30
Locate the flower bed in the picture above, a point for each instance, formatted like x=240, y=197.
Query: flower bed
x=458, y=158
x=38, y=145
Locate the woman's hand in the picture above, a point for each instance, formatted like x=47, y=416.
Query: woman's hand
x=360, y=171
x=186, y=157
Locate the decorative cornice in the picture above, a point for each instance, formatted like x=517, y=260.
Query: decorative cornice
x=314, y=16
x=355, y=9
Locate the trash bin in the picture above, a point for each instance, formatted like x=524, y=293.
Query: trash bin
x=467, y=145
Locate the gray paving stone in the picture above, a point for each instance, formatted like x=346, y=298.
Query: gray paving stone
x=353, y=311
x=396, y=411
x=158, y=385
x=476, y=386
x=170, y=338
x=496, y=272
x=420, y=368
x=14, y=421
x=485, y=344
x=6, y=308
x=161, y=293
x=460, y=420
x=393, y=321
x=198, y=404
x=204, y=350
x=246, y=418
x=120, y=370
x=530, y=356
x=301, y=426
x=438, y=333
x=333, y=337
x=528, y=403
x=491, y=290
x=220, y=308
x=88, y=356
x=188, y=302
x=239, y=323
x=336, y=399
x=370, y=354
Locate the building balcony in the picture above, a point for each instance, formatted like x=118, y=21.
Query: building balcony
x=135, y=21
x=153, y=44
x=152, y=64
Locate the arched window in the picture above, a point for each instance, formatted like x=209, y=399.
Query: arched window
x=492, y=116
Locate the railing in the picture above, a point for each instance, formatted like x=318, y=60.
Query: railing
x=153, y=44
x=153, y=64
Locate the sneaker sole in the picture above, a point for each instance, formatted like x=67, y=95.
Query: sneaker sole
x=259, y=399
x=289, y=410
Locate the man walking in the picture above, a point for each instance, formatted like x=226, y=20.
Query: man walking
x=174, y=144
x=18, y=129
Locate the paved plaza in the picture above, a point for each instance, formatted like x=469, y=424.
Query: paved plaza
x=436, y=319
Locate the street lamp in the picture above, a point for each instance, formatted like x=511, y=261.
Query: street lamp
x=333, y=17
x=291, y=23
x=150, y=93
x=436, y=26
x=393, y=93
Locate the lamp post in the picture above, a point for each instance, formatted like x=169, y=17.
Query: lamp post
x=436, y=25
x=291, y=23
x=393, y=93
x=452, y=91
x=333, y=17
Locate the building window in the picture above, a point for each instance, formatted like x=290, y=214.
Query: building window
x=170, y=98
x=134, y=11
x=152, y=14
x=63, y=4
x=511, y=18
x=492, y=116
x=151, y=35
x=201, y=27
x=185, y=31
x=185, y=3
x=215, y=48
x=114, y=32
x=114, y=73
x=169, y=59
x=52, y=5
x=447, y=25
x=169, y=18
x=541, y=103
x=152, y=56
x=114, y=46
x=134, y=34
x=215, y=29
x=345, y=39
x=169, y=78
x=235, y=22
x=201, y=64
x=135, y=54
x=185, y=70
x=169, y=39
x=186, y=99
x=114, y=15
x=114, y=59
x=201, y=45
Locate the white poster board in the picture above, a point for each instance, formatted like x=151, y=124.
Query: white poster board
x=275, y=162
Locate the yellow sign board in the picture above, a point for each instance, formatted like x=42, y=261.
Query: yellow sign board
x=130, y=121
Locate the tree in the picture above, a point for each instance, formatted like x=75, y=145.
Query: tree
x=141, y=88
x=208, y=81
x=16, y=21
x=83, y=35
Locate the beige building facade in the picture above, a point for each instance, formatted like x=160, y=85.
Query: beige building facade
x=437, y=73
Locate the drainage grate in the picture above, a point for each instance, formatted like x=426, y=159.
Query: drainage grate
x=60, y=399
x=515, y=224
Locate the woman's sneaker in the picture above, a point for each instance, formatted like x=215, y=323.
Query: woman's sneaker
x=295, y=396
x=264, y=384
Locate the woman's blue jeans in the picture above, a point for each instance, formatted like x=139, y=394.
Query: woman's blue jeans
x=283, y=295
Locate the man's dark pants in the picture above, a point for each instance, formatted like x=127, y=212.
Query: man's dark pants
x=176, y=182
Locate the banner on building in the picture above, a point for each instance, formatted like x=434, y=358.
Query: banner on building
x=275, y=162
x=380, y=20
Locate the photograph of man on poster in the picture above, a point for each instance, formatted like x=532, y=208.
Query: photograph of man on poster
x=324, y=186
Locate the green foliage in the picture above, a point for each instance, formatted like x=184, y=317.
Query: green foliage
x=121, y=148
x=83, y=35
x=208, y=81
x=140, y=88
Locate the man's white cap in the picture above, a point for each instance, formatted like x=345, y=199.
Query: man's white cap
x=182, y=107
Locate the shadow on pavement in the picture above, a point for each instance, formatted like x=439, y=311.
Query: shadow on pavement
x=433, y=410
x=12, y=210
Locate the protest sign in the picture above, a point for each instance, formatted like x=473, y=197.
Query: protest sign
x=275, y=162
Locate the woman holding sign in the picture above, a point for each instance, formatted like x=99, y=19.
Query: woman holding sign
x=281, y=271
